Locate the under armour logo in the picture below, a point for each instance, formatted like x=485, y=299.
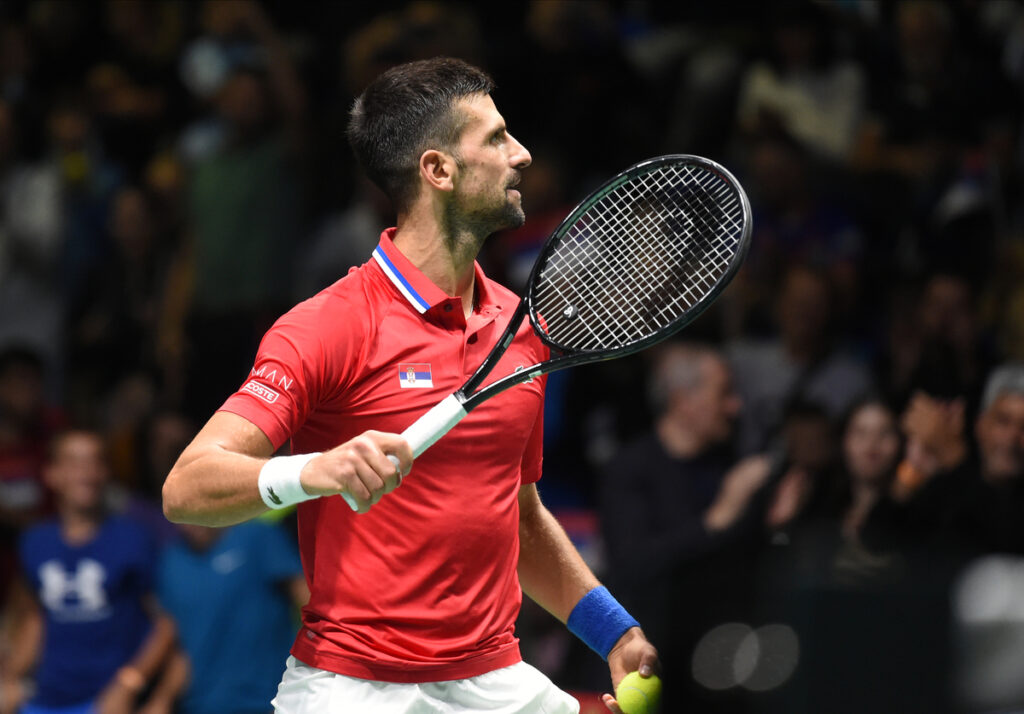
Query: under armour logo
x=78, y=596
x=273, y=496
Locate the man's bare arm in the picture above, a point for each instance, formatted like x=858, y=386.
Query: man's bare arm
x=215, y=481
x=554, y=575
x=551, y=570
x=25, y=625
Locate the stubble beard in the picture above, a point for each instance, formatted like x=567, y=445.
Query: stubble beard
x=515, y=216
x=483, y=221
x=495, y=217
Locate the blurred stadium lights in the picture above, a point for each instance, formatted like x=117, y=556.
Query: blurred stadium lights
x=736, y=655
x=988, y=620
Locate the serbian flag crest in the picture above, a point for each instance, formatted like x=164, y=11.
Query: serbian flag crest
x=414, y=376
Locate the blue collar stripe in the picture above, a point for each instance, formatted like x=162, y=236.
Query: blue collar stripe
x=400, y=282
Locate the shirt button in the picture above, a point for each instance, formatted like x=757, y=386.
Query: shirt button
x=448, y=307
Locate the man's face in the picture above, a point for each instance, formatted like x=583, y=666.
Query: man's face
x=714, y=403
x=78, y=472
x=489, y=163
x=1000, y=432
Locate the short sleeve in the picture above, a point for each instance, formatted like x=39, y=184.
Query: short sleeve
x=286, y=382
x=533, y=455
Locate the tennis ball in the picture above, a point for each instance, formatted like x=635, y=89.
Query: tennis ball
x=637, y=695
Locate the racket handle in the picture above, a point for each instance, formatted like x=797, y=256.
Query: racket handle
x=430, y=427
x=423, y=432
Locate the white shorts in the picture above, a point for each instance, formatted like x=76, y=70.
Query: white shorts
x=519, y=689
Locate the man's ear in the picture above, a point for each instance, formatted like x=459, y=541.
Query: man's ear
x=437, y=169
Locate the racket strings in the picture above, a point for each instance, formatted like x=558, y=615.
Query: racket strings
x=639, y=258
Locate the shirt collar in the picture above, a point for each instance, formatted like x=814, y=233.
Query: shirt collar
x=417, y=288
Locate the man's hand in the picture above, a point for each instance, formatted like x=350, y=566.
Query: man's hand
x=12, y=695
x=115, y=698
x=157, y=705
x=632, y=653
x=935, y=433
x=738, y=487
x=360, y=467
x=935, y=442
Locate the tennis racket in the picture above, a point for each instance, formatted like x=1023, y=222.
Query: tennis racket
x=636, y=261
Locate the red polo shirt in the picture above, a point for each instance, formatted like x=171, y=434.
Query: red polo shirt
x=424, y=586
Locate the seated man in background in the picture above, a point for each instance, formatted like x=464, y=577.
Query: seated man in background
x=943, y=492
x=672, y=499
x=88, y=631
x=232, y=592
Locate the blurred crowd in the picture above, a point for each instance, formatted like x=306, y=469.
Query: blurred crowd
x=813, y=499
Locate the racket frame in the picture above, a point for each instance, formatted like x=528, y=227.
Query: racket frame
x=469, y=396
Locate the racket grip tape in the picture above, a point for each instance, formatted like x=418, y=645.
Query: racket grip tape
x=423, y=432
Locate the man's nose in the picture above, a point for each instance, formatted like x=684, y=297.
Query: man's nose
x=520, y=157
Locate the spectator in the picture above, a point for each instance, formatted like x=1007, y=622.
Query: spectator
x=797, y=222
x=925, y=101
x=841, y=583
x=821, y=506
x=871, y=448
x=579, y=62
x=112, y=327
x=934, y=105
x=29, y=246
x=150, y=450
x=809, y=445
x=54, y=214
x=802, y=87
x=804, y=363
x=90, y=618
x=244, y=208
x=27, y=423
x=232, y=591
x=344, y=241
x=945, y=507
x=943, y=494
x=133, y=89
x=936, y=343
x=669, y=500
x=167, y=433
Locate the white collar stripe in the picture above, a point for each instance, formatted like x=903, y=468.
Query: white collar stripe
x=400, y=282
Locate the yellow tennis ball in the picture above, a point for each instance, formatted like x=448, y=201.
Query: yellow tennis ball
x=638, y=695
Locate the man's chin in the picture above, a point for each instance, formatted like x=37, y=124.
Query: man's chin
x=509, y=218
x=515, y=214
x=518, y=219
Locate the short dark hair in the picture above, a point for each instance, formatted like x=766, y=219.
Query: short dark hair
x=65, y=434
x=405, y=111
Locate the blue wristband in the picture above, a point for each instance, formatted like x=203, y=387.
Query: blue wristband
x=599, y=620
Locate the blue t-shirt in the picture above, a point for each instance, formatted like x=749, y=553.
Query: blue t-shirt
x=92, y=599
x=234, y=615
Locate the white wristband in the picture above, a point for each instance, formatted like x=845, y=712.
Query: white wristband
x=279, y=480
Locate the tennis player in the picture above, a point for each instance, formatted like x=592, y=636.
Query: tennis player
x=414, y=598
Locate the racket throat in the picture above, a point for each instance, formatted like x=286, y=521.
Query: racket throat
x=435, y=423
